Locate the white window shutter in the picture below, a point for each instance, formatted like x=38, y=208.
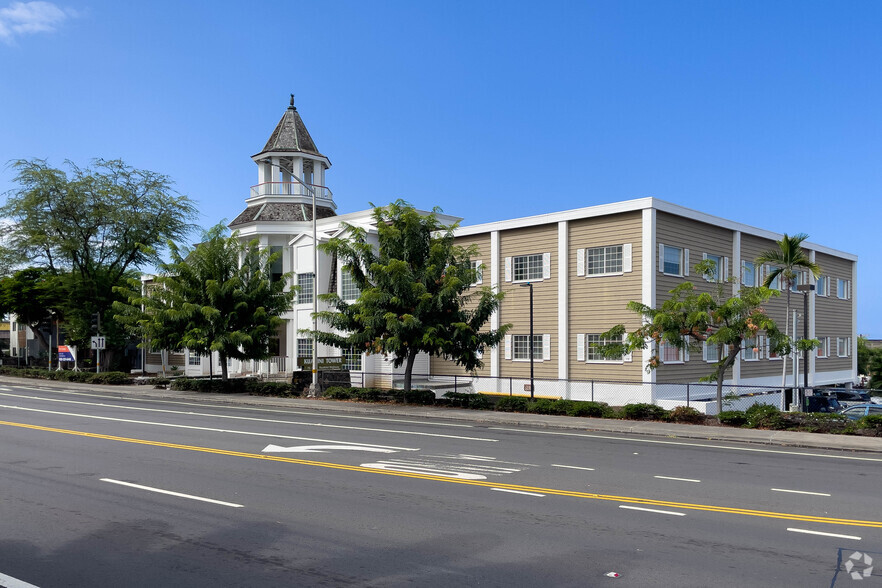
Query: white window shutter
x=479, y=278
x=704, y=258
x=827, y=287
x=580, y=347
x=628, y=357
x=686, y=353
x=686, y=262
x=848, y=289
x=546, y=347
x=704, y=351
x=765, y=346
x=580, y=262
x=546, y=266
x=661, y=257
x=627, y=257
x=508, y=272
x=827, y=347
x=725, y=269
x=508, y=347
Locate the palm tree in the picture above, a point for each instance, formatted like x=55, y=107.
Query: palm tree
x=786, y=260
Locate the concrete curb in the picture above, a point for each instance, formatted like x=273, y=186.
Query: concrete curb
x=586, y=425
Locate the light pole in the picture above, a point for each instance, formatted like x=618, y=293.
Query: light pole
x=806, y=289
x=532, y=352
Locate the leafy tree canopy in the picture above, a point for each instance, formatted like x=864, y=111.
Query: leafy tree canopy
x=217, y=296
x=416, y=292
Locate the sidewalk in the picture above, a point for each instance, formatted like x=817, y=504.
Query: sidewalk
x=484, y=417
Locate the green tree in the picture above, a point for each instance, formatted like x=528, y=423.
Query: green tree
x=93, y=225
x=416, y=293
x=864, y=354
x=787, y=260
x=874, y=369
x=218, y=296
x=36, y=296
x=691, y=317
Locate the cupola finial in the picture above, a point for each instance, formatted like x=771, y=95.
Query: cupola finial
x=292, y=102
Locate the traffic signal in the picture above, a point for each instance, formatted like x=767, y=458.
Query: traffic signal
x=95, y=324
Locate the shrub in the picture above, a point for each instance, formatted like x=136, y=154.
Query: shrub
x=414, y=396
x=871, y=423
x=589, y=408
x=686, y=414
x=110, y=378
x=643, y=412
x=337, y=393
x=550, y=406
x=512, y=404
x=733, y=418
x=817, y=422
x=764, y=416
x=480, y=402
x=258, y=388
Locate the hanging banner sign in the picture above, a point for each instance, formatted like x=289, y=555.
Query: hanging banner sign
x=65, y=354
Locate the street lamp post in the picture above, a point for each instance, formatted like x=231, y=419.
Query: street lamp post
x=806, y=289
x=532, y=351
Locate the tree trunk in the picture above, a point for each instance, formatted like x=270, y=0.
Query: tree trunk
x=408, y=372
x=721, y=374
x=222, y=359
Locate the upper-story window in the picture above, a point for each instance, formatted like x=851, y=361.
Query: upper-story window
x=478, y=267
x=605, y=260
x=748, y=273
x=528, y=267
x=671, y=353
x=673, y=261
x=306, y=282
x=843, y=289
x=348, y=288
x=823, y=286
x=521, y=347
x=719, y=272
x=776, y=283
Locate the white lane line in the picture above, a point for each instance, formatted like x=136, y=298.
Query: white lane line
x=225, y=407
x=667, y=512
x=394, y=467
x=170, y=493
x=676, y=479
x=800, y=492
x=560, y=465
x=660, y=442
x=10, y=582
x=91, y=416
x=274, y=421
x=838, y=536
x=517, y=492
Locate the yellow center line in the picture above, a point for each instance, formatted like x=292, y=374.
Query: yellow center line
x=485, y=484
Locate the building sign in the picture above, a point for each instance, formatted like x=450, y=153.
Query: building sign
x=324, y=363
x=65, y=354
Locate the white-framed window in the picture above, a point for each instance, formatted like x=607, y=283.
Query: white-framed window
x=751, y=349
x=194, y=359
x=306, y=282
x=843, y=289
x=304, y=347
x=671, y=354
x=842, y=346
x=720, y=269
x=605, y=260
x=824, y=347
x=800, y=278
x=478, y=267
x=776, y=283
x=592, y=351
x=711, y=352
x=528, y=267
x=748, y=274
x=521, y=347
x=823, y=286
x=348, y=288
x=352, y=359
x=673, y=260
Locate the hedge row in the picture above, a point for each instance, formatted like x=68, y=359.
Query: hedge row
x=113, y=378
x=251, y=386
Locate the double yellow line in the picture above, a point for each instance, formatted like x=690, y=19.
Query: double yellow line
x=486, y=484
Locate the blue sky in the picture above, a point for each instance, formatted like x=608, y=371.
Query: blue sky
x=767, y=113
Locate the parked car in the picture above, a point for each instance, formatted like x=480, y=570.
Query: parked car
x=820, y=403
x=845, y=397
x=857, y=411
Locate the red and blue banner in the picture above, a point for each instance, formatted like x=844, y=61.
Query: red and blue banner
x=64, y=353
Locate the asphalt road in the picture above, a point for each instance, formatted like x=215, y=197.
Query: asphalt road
x=102, y=491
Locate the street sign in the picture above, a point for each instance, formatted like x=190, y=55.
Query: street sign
x=64, y=353
x=98, y=342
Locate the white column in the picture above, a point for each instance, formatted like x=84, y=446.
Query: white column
x=563, y=317
x=494, y=284
x=319, y=173
x=297, y=171
x=264, y=172
x=648, y=281
x=736, y=287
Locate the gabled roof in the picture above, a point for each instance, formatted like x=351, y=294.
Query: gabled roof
x=291, y=135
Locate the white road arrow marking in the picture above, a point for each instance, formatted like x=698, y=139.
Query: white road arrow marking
x=322, y=449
